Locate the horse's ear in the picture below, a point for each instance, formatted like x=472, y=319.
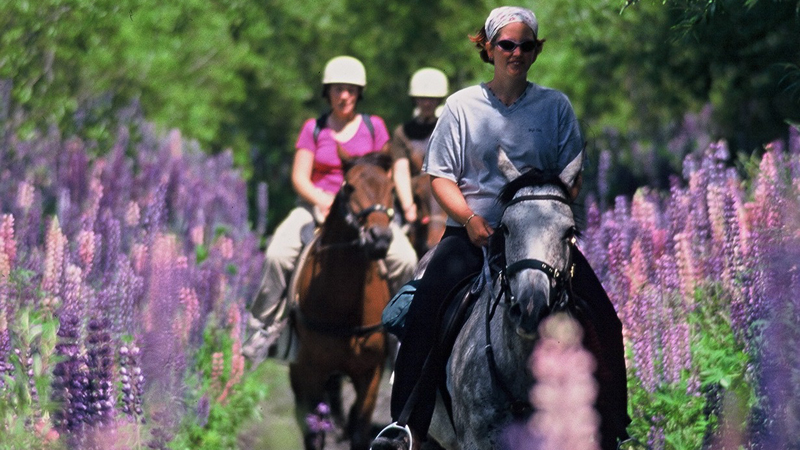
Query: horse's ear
x=505, y=165
x=344, y=156
x=570, y=176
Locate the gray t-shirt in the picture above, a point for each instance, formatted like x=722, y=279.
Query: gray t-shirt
x=539, y=130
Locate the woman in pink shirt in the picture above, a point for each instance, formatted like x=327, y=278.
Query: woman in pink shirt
x=316, y=177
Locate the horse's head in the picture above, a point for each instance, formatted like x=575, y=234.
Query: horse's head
x=539, y=234
x=365, y=200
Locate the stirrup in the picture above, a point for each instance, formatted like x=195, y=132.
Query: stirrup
x=395, y=426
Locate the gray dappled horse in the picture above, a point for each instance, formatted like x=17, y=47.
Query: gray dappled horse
x=488, y=393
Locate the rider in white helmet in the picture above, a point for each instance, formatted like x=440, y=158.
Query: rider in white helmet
x=316, y=177
x=427, y=89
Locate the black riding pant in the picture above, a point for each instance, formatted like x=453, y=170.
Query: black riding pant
x=454, y=259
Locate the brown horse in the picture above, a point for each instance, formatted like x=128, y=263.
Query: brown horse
x=341, y=291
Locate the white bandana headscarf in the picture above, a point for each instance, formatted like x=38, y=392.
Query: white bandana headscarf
x=504, y=15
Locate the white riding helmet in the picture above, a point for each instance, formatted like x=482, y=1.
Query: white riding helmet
x=428, y=82
x=344, y=69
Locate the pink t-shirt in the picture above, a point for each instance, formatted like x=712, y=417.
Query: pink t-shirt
x=327, y=171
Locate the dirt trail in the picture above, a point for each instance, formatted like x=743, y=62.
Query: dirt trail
x=278, y=429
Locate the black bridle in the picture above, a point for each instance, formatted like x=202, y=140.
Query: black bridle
x=356, y=220
x=560, y=294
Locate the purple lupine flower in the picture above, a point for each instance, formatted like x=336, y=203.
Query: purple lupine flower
x=99, y=361
x=778, y=360
x=131, y=382
x=262, y=206
x=202, y=410
x=656, y=437
x=603, y=171
x=70, y=382
x=320, y=421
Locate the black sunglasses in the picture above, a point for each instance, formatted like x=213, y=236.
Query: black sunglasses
x=510, y=46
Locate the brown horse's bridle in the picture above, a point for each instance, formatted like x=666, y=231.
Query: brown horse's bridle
x=356, y=220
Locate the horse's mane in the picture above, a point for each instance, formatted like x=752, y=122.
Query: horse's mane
x=380, y=159
x=531, y=178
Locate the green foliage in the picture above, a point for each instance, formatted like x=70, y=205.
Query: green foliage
x=24, y=411
x=719, y=365
x=244, y=74
x=226, y=417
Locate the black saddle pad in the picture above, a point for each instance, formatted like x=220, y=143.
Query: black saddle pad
x=454, y=312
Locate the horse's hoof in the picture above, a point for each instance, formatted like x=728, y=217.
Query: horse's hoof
x=384, y=443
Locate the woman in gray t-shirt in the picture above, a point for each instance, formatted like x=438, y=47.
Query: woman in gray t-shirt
x=536, y=127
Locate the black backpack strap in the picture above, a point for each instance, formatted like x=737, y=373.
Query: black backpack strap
x=323, y=120
x=321, y=123
x=367, y=119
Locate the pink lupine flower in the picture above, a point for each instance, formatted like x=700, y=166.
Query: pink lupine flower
x=132, y=214
x=5, y=265
x=191, y=312
x=565, y=391
x=175, y=143
x=74, y=291
x=25, y=193
x=196, y=235
x=217, y=366
x=55, y=244
x=138, y=257
x=9, y=243
x=93, y=203
x=686, y=266
x=225, y=246
x=86, y=248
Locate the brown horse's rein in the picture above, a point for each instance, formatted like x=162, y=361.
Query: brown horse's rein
x=331, y=329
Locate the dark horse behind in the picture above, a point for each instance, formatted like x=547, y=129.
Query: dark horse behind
x=488, y=374
x=341, y=292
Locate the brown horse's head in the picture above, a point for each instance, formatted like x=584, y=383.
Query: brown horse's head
x=364, y=202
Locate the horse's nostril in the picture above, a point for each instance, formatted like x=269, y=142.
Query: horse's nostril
x=378, y=239
x=515, y=311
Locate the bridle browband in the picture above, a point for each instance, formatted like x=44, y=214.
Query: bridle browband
x=560, y=294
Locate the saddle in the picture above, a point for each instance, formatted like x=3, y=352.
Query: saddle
x=452, y=316
x=285, y=347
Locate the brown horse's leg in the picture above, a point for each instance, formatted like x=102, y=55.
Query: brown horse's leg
x=333, y=393
x=360, y=419
x=308, y=386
